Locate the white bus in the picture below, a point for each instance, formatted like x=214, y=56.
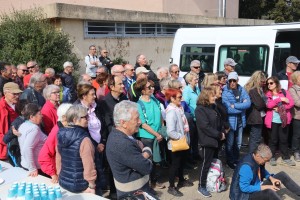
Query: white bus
x=252, y=47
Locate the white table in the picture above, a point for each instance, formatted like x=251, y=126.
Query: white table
x=15, y=174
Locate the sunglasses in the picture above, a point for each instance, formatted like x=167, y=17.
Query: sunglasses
x=196, y=67
x=105, y=52
x=232, y=80
x=24, y=70
x=30, y=67
x=176, y=72
x=132, y=70
x=270, y=83
x=150, y=87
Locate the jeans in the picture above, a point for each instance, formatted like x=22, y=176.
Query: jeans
x=233, y=144
x=279, y=136
x=270, y=194
x=296, y=136
x=255, y=137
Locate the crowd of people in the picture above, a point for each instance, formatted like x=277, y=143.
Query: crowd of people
x=130, y=119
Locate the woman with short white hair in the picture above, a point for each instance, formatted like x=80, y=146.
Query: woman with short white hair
x=49, y=111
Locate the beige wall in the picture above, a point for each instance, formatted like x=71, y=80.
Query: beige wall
x=156, y=49
x=207, y=8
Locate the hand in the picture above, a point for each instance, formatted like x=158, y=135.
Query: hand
x=33, y=173
x=272, y=187
x=232, y=106
x=275, y=109
x=245, y=100
x=159, y=138
x=15, y=132
x=284, y=99
x=93, y=62
x=54, y=178
x=223, y=136
x=89, y=190
x=274, y=180
x=146, y=155
x=100, y=147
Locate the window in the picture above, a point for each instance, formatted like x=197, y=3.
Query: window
x=249, y=58
x=105, y=29
x=203, y=53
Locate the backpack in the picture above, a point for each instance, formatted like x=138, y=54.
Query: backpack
x=215, y=178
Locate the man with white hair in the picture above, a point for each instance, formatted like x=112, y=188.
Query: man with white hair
x=196, y=68
x=49, y=72
x=129, y=76
x=21, y=72
x=33, y=93
x=68, y=80
x=85, y=78
x=33, y=68
x=252, y=181
x=162, y=72
x=128, y=159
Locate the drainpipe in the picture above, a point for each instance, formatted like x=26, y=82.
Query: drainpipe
x=220, y=8
x=224, y=8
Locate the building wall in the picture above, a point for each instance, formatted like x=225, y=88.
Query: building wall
x=209, y=8
x=156, y=49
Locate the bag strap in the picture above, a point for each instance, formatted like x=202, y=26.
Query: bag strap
x=144, y=110
x=284, y=92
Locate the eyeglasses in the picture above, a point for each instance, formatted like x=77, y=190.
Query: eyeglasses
x=232, y=80
x=176, y=72
x=85, y=117
x=180, y=87
x=93, y=49
x=224, y=78
x=270, y=83
x=30, y=67
x=132, y=70
x=105, y=52
x=180, y=97
x=24, y=70
x=150, y=87
x=15, y=94
x=196, y=67
x=57, y=92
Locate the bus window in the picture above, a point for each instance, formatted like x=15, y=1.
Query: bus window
x=281, y=52
x=249, y=58
x=203, y=53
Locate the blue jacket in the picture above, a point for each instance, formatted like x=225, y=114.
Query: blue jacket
x=245, y=178
x=71, y=175
x=240, y=106
x=190, y=97
x=66, y=95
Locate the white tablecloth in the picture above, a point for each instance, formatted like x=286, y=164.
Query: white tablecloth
x=15, y=174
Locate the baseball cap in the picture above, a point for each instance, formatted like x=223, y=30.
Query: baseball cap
x=230, y=61
x=141, y=70
x=233, y=75
x=292, y=59
x=12, y=87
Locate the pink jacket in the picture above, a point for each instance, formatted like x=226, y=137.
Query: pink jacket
x=273, y=104
x=49, y=113
x=48, y=152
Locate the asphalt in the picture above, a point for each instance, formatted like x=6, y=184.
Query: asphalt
x=191, y=193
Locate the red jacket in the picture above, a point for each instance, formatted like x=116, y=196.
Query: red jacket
x=48, y=152
x=49, y=113
x=7, y=116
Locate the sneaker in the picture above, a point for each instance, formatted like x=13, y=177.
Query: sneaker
x=273, y=162
x=289, y=162
x=204, y=192
x=175, y=192
x=297, y=156
x=185, y=183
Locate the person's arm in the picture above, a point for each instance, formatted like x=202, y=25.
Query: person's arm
x=291, y=101
x=171, y=121
x=246, y=177
x=205, y=126
x=245, y=101
x=88, y=63
x=87, y=154
x=29, y=145
x=295, y=97
x=47, y=121
x=272, y=103
x=227, y=104
x=257, y=100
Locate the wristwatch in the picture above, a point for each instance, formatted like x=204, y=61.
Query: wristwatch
x=92, y=186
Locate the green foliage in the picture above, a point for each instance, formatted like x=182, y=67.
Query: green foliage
x=119, y=61
x=27, y=35
x=278, y=10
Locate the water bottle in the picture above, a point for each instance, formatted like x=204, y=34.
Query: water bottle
x=11, y=194
x=21, y=193
x=58, y=194
x=51, y=195
x=28, y=195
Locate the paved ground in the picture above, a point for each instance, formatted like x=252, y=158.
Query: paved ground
x=192, y=194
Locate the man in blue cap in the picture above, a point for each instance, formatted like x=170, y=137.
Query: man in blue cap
x=284, y=75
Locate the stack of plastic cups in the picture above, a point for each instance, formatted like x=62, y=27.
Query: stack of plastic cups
x=36, y=196
x=11, y=194
x=58, y=193
x=51, y=195
x=21, y=191
x=44, y=195
x=28, y=195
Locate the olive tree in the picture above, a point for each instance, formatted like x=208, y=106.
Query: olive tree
x=28, y=35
